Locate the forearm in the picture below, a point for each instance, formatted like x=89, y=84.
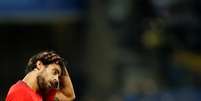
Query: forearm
x=66, y=91
x=67, y=88
x=61, y=97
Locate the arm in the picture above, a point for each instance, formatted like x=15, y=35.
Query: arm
x=66, y=91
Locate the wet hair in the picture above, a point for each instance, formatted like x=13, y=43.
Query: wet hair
x=46, y=57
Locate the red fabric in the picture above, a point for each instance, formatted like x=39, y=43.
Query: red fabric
x=22, y=92
x=51, y=94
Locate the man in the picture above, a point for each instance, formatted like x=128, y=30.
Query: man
x=46, y=79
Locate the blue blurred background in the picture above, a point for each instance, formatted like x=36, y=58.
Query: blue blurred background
x=117, y=50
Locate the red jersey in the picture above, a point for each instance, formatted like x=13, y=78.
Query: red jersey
x=22, y=92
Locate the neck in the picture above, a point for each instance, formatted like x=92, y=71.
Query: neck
x=31, y=80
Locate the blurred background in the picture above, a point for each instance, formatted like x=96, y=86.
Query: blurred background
x=117, y=50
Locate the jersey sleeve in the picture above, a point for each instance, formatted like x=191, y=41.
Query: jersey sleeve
x=51, y=95
x=18, y=96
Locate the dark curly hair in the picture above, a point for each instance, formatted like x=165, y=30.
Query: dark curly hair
x=46, y=57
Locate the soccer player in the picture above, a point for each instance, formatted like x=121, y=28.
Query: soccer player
x=46, y=79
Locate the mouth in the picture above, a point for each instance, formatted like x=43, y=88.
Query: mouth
x=52, y=85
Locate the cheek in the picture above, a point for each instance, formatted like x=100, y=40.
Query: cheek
x=46, y=76
x=49, y=77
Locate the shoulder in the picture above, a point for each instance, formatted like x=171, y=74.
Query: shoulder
x=17, y=93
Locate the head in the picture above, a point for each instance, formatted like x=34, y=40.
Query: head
x=49, y=66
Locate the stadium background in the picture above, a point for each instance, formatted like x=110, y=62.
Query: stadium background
x=117, y=50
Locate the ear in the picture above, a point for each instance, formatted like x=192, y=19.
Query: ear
x=39, y=65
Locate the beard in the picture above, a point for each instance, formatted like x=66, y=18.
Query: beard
x=43, y=86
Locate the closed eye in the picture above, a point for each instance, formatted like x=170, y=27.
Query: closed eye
x=56, y=72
